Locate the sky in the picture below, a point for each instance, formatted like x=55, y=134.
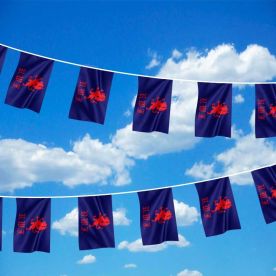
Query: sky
x=50, y=154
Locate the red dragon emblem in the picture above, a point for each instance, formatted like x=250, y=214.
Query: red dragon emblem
x=96, y=96
x=101, y=221
x=157, y=105
x=219, y=109
x=273, y=193
x=162, y=215
x=272, y=111
x=34, y=84
x=37, y=225
x=222, y=205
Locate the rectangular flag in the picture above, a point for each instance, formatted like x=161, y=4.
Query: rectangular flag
x=91, y=95
x=1, y=215
x=214, y=109
x=265, y=183
x=153, y=104
x=157, y=217
x=218, y=209
x=3, y=51
x=32, y=225
x=29, y=82
x=96, y=229
x=265, y=114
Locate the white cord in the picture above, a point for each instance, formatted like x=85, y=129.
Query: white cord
x=132, y=74
x=143, y=190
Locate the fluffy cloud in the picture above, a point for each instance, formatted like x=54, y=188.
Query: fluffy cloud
x=239, y=99
x=185, y=215
x=240, y=157
x=23, y=163
x=176, y=54
x=137, y=245
x=187, y=272
x=88, y=259
x=120, y=218
x=221, y=63
x=201, y=170
x=155, y=60
x=130, y=266
x=68, y=225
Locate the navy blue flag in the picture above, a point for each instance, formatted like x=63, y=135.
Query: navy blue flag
x=218, y=209
x=265, y=183
x=157, y=217
x=29, y=82
x=153, y=104
x=1, y=214
x=32, y=225
x=96, y=229
x=91, y=95
x=214, y=108
x=265, y=115
x=3, y=51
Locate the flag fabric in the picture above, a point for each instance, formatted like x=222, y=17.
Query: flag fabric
x=91, y=95
x=32, y=225
x=217, y=205
x=265, y=183
x=265, y=114
x=29, y=82
x=96, y=229
x=214, y=108
x=153, y=104
x=157, y=217
x=1, y=214
x=3, y=51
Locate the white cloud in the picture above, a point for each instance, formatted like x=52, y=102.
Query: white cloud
x=201, y=171
x=185, y=215
x=88, y=259
x=130, y=266
x=176, y=54
x=187, y=272
x=153, y=63
x=239, y=99
x=240, y=157
x=120, y=218
x=23, y=163
x=221, y=63
x=155, y=59
x=137, y=245
x=68, y=225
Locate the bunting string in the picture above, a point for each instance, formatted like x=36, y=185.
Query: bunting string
x=134, y=74
x=143, y=190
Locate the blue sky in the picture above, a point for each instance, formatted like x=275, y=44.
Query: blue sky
x=196, y=40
